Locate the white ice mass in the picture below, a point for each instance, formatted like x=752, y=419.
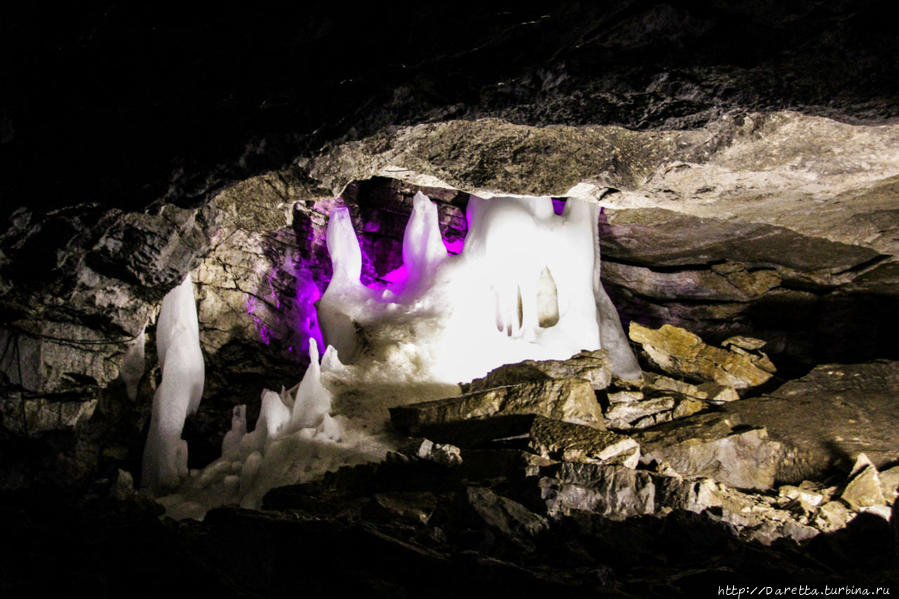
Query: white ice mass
x=179, y=393
x=526, y=286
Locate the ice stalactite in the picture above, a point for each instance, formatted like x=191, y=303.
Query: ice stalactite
x=181, y=389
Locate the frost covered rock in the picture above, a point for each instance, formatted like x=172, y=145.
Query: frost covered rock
x=682, y=353
x=571, y=400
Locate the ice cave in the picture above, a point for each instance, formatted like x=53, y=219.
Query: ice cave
x=569, y=299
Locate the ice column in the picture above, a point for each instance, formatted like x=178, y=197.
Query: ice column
x=345, y=294
x=423, y=248
x=179, y=393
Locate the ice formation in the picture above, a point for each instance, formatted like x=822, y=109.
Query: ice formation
x=295, y=439
x=179, y=393
x=525, y=286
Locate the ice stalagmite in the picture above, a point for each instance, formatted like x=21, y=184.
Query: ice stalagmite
x=179, y=393
x=345, y=294
x=312, y=402
x=423, y=248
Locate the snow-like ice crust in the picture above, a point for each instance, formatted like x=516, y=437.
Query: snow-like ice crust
x=526, y=286
x=181, y=389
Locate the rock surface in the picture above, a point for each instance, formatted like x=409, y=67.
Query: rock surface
x=682, y=353
x=722, y=215
x=593, y=366
x=565, y=399
x=829, y=416
x=715, y=446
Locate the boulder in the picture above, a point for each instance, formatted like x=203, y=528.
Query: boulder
x=501, y=513
x=571, y=400
x=593, y=366
x=716, y=446
x=681, y=353
x=611, y=491
x=863, y=490
x=567, y=442
x=889, y=484
x=651, y=400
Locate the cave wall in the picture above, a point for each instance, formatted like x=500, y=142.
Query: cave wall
x=745, y=155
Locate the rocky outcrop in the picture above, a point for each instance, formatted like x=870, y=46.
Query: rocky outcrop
x=715, y=446
x=570, y=400
x=682, y=353
x=829, y=416
x=593, y=366
x=72, y=312
x=655, y=398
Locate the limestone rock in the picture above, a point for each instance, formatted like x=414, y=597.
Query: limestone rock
x=863, y=489
x=571, y=400
x=833, y=515
x=652, y=400
x=889, y=484
x=409, y=505
x=611, y=491
x=682, y=353
x=500, y=464
x=834, y=411
x=715, y=446
x=741, y=341
x=31, y=415
x=593, y=366
x=508, y=516
x=440, y=453
x=622, y=413
x=809, y=497
x=569, y=442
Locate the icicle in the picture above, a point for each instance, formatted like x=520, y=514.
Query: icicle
x=312, y=402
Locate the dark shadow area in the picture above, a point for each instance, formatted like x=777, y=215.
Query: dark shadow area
x=123, y=104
